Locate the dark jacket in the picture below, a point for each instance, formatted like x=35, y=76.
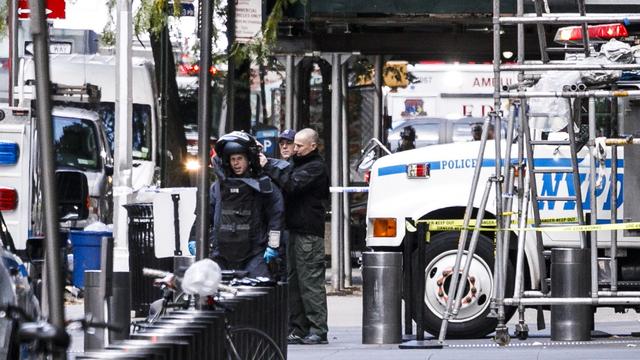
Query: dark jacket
x=305, y=185
x=267, y=213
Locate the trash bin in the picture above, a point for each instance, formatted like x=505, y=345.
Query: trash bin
x=86, y=252
x=381, y=299
x=142, y=254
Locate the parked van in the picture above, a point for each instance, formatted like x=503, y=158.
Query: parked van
x=100, y=70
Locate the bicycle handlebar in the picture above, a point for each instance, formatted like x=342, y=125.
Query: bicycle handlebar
x=161, y=274
x=155, y=273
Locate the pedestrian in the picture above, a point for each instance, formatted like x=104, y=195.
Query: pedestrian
x=247, y=210
x=305, y=185
x=285, y=143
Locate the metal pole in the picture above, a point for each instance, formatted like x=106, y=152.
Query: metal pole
x=123, y=135
x=472, y=248
x=346, y=209
x=497, y=300
x=585, y=29
x=576, y=179
x=39, y=32
x=593, y=202
x=568, y=67
x=421, y=237
x=163, y=105
x=295, y=121
x=377, y=99
x=288, y=114
x=464, y=232
x=13, y=48
x=574, y=301
x=572, y=94
x=204, y=123
x=614, y=218
x=336, y=255
x=570, y=20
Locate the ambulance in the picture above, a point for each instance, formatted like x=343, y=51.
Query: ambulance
x=450, y=91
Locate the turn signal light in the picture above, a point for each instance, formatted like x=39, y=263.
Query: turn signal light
x=384, y=227
x=8, y=199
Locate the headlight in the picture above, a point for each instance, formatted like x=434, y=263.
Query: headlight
x=192, y=165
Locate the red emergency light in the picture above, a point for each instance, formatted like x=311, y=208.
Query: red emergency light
x=419, y=171
x=8, y=199
x=194, y=69
x=602, y=32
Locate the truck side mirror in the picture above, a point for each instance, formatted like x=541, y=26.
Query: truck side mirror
x=73, y=195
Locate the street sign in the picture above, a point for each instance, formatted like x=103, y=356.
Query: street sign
x=187, y=9
x=55, y=47
x=248, y=20
x=55, y=9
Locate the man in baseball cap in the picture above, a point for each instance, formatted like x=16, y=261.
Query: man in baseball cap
x=285, y=142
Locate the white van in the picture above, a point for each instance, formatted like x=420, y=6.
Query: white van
x=100, y=70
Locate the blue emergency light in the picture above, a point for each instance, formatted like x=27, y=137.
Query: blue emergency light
x=9, y=152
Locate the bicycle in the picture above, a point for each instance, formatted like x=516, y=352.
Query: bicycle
x=39, y=337
x=256, y=344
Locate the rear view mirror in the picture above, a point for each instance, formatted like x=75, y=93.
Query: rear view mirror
x=370, y=154
x=367, y=160
x=73, y=195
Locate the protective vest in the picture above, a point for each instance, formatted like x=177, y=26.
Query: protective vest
x=237, y=227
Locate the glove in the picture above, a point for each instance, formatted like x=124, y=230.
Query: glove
x=192, y=248
x=270, y=254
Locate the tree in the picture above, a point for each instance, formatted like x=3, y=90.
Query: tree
x=152, y=18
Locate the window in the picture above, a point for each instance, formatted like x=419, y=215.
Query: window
x=142, y=132
x=76, y=143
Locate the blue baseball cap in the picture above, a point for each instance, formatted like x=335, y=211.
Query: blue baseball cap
x=288, y=134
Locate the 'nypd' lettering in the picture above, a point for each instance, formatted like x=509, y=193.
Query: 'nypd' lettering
x=458, y=164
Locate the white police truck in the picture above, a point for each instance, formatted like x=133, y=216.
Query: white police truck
x=433, y=182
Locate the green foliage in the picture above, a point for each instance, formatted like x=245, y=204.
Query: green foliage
x=151, y=17
x=4, y=13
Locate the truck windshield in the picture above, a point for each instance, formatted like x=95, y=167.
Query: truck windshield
x=141, y=126
x=76, y=143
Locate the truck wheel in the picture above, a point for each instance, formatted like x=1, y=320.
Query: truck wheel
x=440, y=257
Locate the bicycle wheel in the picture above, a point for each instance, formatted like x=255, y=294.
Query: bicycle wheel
x=246, y=343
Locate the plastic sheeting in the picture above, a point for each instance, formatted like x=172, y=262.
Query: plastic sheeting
x=553, y=114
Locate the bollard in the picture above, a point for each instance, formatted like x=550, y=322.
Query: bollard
x=93, y=305
x=182, y=263
x=382, y=289
x=570, y=278
x=120, y=306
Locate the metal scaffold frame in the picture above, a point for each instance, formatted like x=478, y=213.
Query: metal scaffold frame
x=516, y=182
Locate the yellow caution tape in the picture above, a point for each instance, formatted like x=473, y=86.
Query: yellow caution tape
x=492, y=222
x=567, y=228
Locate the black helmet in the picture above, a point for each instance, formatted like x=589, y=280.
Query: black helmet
x=239, y=142
x=232, y=148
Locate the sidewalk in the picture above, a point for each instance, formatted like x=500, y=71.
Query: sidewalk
x=345, y=340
